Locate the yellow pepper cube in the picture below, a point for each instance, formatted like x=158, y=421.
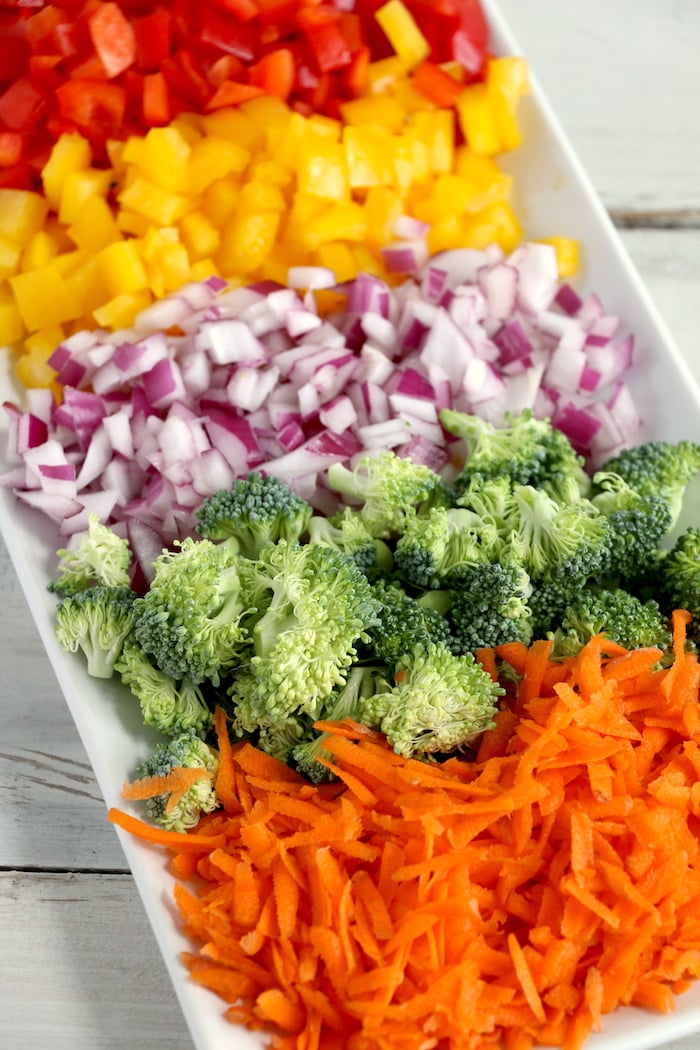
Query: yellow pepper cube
x=220, y=199
x=95, y=227
x=383, y=74
x=272, y=172
x=22, y=213
x=369, y=156
x=303, y=210
x=449, y=195
x=162, y=157
x=367, y=261
x=266, y=110
x=214, y=158
x=337, y=257
x=43, y=298
x=122, y=268
x=446, y=233
x=43, y=343
x=325, y=127
x=199, y=235
x=383, y=206
x=12, y=327
x=85, y=282
x=322, y=171
x=235, y=125
x=257, y=196
x=10, y=252
x=120, y=311
x=203, y=268
x=70, y=153
x=166, y=260
x=283, y=141
x=80, y=187
x=436, y=130
x=33, y=372
x=339, y=222
x=155, y=203
x=246, y=242
x=568, y=252
x=477, y=119
x=131, y=222
x=380, y=111
x=509, y=75
x=496, y=224
x=40, y=249
x=403, y=33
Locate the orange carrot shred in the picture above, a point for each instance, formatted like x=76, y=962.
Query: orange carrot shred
x=513, y=897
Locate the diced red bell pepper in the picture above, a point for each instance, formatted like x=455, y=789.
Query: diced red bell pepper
x=94, y=106
x=225, y=33
x=156, y=100
x=113, y=37
x=22, y=105
x=11, y=144
x=153, y=35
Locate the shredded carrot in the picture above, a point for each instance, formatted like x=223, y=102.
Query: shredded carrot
x=174, y=784
x=512, y=899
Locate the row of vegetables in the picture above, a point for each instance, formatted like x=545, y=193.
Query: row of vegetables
x=344, y=479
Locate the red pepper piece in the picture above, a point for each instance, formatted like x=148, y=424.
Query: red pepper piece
x=153, y=35
x=96, y=107
x=231, y=93
x=22, y=105
x=156, y=100
x=437, y=85
x=113, y=38
x=275, y=73
x=225, y=33
x=11, y=145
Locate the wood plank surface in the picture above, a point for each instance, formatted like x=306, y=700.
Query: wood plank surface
x=80, y=969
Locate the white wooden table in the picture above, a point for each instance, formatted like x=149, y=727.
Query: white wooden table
x=79, y=967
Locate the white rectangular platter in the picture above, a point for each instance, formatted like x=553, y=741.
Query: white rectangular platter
x=553, y=195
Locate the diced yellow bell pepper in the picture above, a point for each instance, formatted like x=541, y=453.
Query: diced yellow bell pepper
x=202, y=269
x=95, y=227
x=266, y=111
x=12, y=327
x=166, y=260
x=157, y=204
x=211, y=159
x=32, y=371
x=246, y=242
x=80, y=187
x=199, y=235
x=122, y=268
x=369, y=156
x=10, y=252
x=43, y=298
x=132, y=222
x=40, y=249
x=322, y=171
x=162, y=156
x=436, y=130
x=403, y=33
x=22, y=213
x=86, y=284
x=449, y=195
x=477, y=119
x=381, y=111
x=43, y=343
x=339, y=222
x=447, y=233
x=272, y=172
x=260, y=196
x=383, y=74
x=121, y=311
x=219, y=200
x=568, y=252
x=338, y=257
x=235, y=125
x=383, y=206
x=496, y=224
x=71, y=152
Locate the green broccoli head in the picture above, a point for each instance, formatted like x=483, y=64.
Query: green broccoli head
x=490, y=607
x=549, y=538
x=170, y=707
x=680, y=576
x=388, y=489
x=437, y=545
x=549, y=599
x=617, y=614
x=345, y=702
x=348, y=533
x=439, y=702
x=403, y=623
x=638, y=523
x=525, y=450
x=659, y=468
x=314, y=606
x=255, y=512
x=191, y=621
x=100, y=557
x=96, y=621
x=188, y=751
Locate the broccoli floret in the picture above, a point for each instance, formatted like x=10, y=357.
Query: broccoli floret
x=404, y=623
x=187, y=751
x=97, y=622
x=348, y=532
x=438, y=702
x=388, y=488
x=436, y=546
x=658, y=468
x=345, y=702
x=638, y=523
x=314, y=607
x=280, y=739
x=191, y=620
x=525, y=450
x=490, y=607
x=100, y=557
x=679, y=574
x=255, y=512
x=617, y=614
x=549, y=538
x=170, y=707
x=549, y=600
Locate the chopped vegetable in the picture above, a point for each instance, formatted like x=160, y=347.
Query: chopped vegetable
x=552, y=879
